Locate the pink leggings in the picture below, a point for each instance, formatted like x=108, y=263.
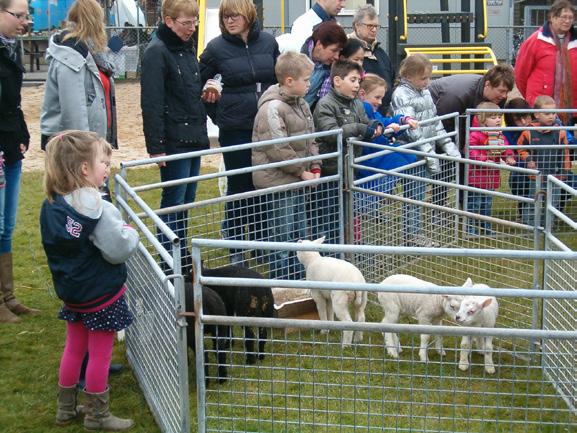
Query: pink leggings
x=98, y=344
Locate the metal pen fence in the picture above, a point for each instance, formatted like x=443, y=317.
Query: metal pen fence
x=307, y=381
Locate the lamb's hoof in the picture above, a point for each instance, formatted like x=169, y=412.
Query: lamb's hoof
x=399, y=349
x=463, y=366
x=490, y=369
x=423, y=357
x=393, y=354
x=358, y=337
x=442, y=352
x=261, y=356
x=250, y=359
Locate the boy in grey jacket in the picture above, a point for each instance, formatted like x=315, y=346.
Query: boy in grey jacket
x=340, y=108
x=283, y=112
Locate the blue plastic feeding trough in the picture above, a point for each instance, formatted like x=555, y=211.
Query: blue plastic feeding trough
x=48, y=14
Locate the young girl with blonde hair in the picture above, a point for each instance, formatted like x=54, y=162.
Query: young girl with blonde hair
x=86, y=244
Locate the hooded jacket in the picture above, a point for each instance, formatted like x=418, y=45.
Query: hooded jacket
x=13, y=129
x=535, y=64
x=334, y=111
x=553, y=161
x=173, y=114
x=486, y=177
x=418, y=104
x=74, y=97
x=247, y=70
x=281, y=115
x=86, y=244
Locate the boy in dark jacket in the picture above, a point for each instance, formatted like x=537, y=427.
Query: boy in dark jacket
x=549, y=161
x=340, y=108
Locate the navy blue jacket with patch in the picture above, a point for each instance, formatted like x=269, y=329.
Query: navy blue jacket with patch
x=82, y=278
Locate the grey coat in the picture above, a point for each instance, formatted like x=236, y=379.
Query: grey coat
x=409, y=101
x=74, y=96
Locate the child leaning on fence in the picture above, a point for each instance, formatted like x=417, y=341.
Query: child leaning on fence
x=86, y=243
x=340, y=108
x=482, y=177
x=412, y=98
x=283, y=112
x=554, y=161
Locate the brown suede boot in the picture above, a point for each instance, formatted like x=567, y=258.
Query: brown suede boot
x=7, y=282
x=67, y=410
x=7, y=316
x=98, y=416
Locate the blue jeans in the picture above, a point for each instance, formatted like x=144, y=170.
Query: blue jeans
x=529, y=215
x=324, y=214
x=243, y=218
x=481, y=204
x=415, y=190
x=177, y=195
x=286, y=217
x=9, y=207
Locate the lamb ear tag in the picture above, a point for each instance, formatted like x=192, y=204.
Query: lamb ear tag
x=319, y=240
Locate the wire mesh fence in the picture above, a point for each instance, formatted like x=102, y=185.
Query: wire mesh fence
x=307, y=380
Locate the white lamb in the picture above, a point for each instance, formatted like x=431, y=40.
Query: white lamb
x=479, y=311
x=428, y=309
x=331, y=302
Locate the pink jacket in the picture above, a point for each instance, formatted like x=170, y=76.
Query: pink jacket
x=535, y=65
x=485, y=177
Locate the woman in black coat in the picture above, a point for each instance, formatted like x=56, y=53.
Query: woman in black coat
x=14, y=140
x=245, y=58
x=173, y=114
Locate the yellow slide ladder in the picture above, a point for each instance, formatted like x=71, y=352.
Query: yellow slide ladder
x=479, y=56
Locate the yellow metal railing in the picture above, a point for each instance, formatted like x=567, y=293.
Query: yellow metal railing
x=444, y=55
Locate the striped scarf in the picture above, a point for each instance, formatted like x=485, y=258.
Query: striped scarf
x=563, y=92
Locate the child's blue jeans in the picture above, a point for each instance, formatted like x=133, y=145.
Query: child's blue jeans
x=481, y=204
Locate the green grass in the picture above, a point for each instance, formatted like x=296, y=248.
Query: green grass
x=30, y=354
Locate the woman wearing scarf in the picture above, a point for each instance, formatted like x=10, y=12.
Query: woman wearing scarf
x=547, y=61
x=79, y=90
x=14, y=139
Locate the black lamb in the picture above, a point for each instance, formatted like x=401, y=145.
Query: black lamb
x=213, y=305
x=245, y=301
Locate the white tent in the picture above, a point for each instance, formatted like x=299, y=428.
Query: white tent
x=126, y=11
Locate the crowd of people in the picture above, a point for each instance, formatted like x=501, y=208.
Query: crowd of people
x=323, y=80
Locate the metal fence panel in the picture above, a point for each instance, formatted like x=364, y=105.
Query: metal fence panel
x=559, y=357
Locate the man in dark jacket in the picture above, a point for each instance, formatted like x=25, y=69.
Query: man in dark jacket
x=14, y=140
x=457, y=93
x=173, y=114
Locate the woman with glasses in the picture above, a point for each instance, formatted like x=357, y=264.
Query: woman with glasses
x=245, y=58
x=547, y=60
x=365, y=28
x=173, y=114
x=14, y=140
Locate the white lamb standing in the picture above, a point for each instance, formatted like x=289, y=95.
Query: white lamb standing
x=478, y=311
x=428, y=309
x=331, y=302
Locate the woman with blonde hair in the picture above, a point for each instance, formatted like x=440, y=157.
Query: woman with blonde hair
x=245, y=58
x=79, y=88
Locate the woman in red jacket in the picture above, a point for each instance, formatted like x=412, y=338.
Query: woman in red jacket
x=547, y=60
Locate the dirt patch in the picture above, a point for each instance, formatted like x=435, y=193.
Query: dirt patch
x=130, y=136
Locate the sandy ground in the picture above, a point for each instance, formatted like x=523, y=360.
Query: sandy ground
x=130, y=135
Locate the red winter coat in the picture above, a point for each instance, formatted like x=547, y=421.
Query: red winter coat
x=485, y=177
x=535, y=64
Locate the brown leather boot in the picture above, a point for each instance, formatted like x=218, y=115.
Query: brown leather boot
x=98, y=416
x=7, y=282
x=7, y=316
x=67, y=410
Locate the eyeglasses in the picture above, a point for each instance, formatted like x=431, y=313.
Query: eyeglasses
x=372, y=26
x=21, y=17
x=188, y=24
x=565, y=17
x=232, y=17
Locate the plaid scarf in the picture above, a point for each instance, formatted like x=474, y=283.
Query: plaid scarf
x=563, y=93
